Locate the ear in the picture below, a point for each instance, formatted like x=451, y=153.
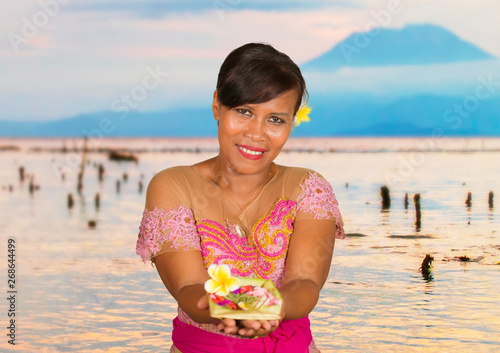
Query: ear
x=216, y=106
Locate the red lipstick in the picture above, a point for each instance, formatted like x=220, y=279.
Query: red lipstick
x=250, y=148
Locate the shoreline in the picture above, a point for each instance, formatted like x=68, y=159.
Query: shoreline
x=294, y=144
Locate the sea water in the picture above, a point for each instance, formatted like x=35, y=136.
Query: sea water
x=82, y=289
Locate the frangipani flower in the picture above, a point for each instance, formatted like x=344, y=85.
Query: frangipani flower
x=303, y=114
x=221, y=282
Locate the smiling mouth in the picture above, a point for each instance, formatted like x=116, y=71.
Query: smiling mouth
x=252, y=152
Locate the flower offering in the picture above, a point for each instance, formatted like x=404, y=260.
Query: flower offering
x=241, y=298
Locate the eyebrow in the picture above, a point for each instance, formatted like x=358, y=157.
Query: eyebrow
x=279, y=114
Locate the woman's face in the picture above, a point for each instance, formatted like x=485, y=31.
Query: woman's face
x=252, y=135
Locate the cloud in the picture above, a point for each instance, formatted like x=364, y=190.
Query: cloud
x=92, y=51
x=83, y=60
x=160, y=8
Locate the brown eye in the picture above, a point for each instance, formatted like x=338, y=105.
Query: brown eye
x=276, y=120
x=245, y=112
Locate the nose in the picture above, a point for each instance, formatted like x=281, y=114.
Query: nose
x=256, y=129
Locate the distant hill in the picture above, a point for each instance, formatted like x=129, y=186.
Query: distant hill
x=420, y=115
x=334, y=113
x=186, y=122
x=418, y=44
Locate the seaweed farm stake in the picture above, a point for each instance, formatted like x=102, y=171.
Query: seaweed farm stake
x=79, y=186
x=418, y=214
x=21, y=173
x=386, y=197
x=71, y=202
x=426, y=268
x=97, y=201
x=101, y=171
x=468, y=201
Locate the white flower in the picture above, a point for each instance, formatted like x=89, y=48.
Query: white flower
x=221, y=282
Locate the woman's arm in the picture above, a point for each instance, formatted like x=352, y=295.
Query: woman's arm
x=307, y=266
x=178, y=259
x=184, y=275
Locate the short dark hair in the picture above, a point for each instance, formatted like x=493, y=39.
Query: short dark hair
x=257, y=73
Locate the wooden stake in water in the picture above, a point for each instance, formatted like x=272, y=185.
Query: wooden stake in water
x=31, y=186
x=79, y=186
x=426, y=268
x=21, y=173
x=101, y=172
x=418, y=214
x=406, y=201
x=491, y=195
x=71, y=201
x=468, y=201
x=386, y=197
x=97, y=201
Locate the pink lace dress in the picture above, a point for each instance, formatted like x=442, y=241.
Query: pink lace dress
x=190, y=218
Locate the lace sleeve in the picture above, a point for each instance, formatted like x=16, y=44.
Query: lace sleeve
x=161, y=231
x=318, y=200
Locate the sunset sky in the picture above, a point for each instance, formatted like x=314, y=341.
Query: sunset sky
x=61, y=58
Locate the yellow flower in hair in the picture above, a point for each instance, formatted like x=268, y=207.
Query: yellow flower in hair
x=303, y=114
x=221, y=282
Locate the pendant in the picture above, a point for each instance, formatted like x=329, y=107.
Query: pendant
x=241, y=233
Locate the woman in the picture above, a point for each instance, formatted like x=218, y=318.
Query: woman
x=241, y=209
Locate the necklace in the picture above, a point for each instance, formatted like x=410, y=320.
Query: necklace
x=239, y=230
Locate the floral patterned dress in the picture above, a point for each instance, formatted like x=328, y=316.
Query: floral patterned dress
x=190, y=218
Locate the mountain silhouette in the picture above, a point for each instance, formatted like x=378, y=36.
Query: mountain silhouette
x=417, y=44
x=358, y=115
x=348, y=113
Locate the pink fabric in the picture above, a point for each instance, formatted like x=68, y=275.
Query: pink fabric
x=317, y=197
x=268, y=243
x=293, y=336
x=157, y=226
x=262, y=255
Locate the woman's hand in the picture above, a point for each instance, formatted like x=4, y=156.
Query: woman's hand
x=244, y=328
x=248, y=328
x=203, y=303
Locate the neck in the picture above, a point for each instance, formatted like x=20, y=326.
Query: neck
x=232, y=181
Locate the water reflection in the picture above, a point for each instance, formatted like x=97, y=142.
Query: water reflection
x=85, y=290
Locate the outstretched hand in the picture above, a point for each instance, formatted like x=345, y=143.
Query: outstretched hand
x=248, y=328
x=243, y=328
